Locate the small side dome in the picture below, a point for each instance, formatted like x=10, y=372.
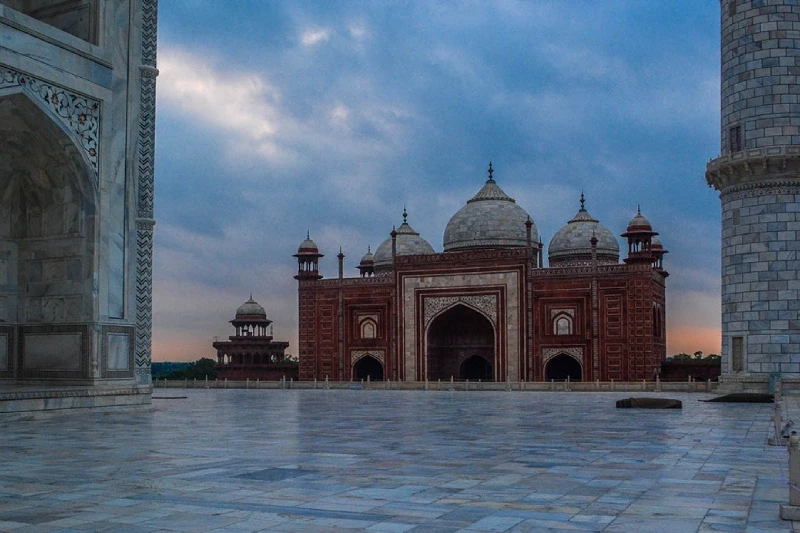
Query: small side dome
x=490, y=219
x=655, y=244
x=250, y=309
x=368, y=259
x=407, y=242
x=638, y=223
x=307, y=246
x=571, y=245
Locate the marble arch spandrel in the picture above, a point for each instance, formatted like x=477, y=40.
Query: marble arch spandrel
x=412, y=330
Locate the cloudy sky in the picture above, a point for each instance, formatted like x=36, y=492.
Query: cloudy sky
x=277, y=118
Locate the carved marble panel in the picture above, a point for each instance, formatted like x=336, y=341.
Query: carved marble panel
x=487, y=304
x=379, y=355
x=576, y=352
x=79, y=114
x=52, y=352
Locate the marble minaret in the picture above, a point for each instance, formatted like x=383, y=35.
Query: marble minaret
x=758, y=178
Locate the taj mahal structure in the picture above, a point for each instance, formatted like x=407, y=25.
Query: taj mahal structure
x=77, y=127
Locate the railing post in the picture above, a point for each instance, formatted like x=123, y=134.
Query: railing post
x=776, y=439
x=439, y=384
x=792, y=511
x=658, y=382
x=326, y=382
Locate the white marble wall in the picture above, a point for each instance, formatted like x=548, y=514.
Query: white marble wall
x=446, y=283
x=81, y=268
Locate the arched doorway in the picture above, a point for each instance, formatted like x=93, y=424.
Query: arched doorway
x=476, y=368
x=456, y=336
x=48, y=234
x=368, y=366
x=562, y=366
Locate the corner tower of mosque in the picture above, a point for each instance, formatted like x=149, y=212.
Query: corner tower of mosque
x=485, y=308
x=757, y=175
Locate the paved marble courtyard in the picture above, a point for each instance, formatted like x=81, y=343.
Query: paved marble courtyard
x=393, y=461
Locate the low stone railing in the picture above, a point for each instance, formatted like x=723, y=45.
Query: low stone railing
x=447, y=385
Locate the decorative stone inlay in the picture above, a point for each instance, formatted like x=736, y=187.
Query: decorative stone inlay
x=487, y=304
x=79, y=114
x=569, y=312
x=576, y=352
x=379, y=355
x=759, y=167
x=145, y=189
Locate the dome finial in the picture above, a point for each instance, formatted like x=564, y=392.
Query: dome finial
x=583, y=201
x=405, y=215
x=251, y=296
x=308, y=234
x=491, y=172
x=368, y=249
x=638, y=209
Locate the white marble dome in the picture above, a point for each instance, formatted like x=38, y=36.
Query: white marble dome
x=408, y=242
x=251, y=308
x=307, y=246
x=571, y=245
x=490, y=219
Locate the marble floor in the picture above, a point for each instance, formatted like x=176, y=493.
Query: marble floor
x=394, y=461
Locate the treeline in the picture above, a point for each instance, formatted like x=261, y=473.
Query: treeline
x=200, y=369
x=696, y=356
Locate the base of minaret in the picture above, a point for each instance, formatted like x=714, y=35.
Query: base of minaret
x=759, y=383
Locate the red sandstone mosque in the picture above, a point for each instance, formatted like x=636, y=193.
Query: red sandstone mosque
x=486, y=307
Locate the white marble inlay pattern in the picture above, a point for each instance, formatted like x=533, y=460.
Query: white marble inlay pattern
x=379, y=355
x=118, y=350
x=487, y=304
x=576, y=352
x=508, y=280
x=79, y=114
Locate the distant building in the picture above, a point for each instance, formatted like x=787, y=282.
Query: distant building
x=251, y=353
x=486, y=308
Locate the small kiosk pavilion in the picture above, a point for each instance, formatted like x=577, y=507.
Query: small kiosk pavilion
x=251, y=353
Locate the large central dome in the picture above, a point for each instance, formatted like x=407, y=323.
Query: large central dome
x=490, y=219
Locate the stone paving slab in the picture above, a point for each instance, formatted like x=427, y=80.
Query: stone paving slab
x=396, y=461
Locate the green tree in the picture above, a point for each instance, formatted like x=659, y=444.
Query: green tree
x=200, y=369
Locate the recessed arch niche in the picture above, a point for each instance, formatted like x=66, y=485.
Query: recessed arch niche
x=48, y=209
x=456, y=335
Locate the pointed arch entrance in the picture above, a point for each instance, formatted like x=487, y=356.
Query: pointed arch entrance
x=460, y=343
x=476, y=368
x=48, y=240
x=561, y=367
x=368, y=367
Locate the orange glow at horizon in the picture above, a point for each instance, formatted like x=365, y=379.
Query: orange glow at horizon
x=689, y=339
x=191, y=346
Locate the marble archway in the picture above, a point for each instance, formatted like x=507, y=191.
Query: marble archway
x=48, y=238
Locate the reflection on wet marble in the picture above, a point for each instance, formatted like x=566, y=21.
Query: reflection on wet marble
x=394, y=461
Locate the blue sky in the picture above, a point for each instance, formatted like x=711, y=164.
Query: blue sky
x=277, y=118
